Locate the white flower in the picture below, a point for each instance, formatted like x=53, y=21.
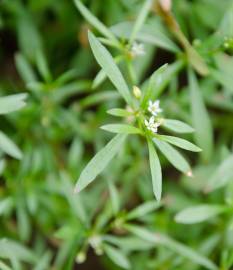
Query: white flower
x=154, y=108
x=137, y=49
x=152, y=125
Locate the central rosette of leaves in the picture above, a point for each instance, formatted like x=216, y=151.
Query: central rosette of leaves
x=144, y=112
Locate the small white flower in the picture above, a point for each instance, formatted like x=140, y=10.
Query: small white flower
x=152, y=125
x=137, y=49
x=154, y=108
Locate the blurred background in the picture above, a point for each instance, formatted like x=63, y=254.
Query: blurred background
x=44, y=52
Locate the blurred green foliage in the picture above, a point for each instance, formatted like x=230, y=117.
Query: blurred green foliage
x=48, y=63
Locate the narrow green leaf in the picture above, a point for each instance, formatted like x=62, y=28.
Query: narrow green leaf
x=128, y=243
x=66, y=76
x=156, y=172
x=180, y=143
x=144, y=234
x=100, y=77
x=200, y=119
x=29, y=38
x=114, y=196
x=143, y=210
x=173, y=156
x=199, y=213
x=98, y=98
x=107, y=63
x=94, y=21
x=120, y=112
x=155, y=80
x=64, y=92
x=140, y=20
x=75, y=200
x=13, y=250
x=7, y=146
x=23, y=222
x=3, y=266
x=177, y=126
x=12, y=103
x=42, y=65
x=159, y=81
x=197, y=61
x=121, y=128
x=117, y=256
x=222, y=175
x=2, y=166
x=24, y=69
x=224, y=78
x=97, y=164
x=188, y=253
x=5, y=205
x=44, y=261
x=181, y=249
x=150, y=34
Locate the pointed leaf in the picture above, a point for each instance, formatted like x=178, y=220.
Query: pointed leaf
x=199, y=213
x=180, y=143
x=200, y=119
x=117, y=256
x=107, y=63
x=150, y=34
x=121, y=128
x=94, y=21
x=97, y=164
x=120, y=112
x=181, y=249
x=222, y=175
x=42, y=65
x=188, y=253
x=114, y=196
x=173, y=156
x=155, y=80
x=7, y=146
x=177, y=126
x=140, y=20
x=3, y=266
x=12, y=103
x=156, y=172
x=143, y=209
x=24, y=68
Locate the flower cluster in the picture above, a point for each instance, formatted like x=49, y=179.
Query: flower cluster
x=154, y=109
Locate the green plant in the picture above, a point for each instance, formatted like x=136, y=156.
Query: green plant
x=165, y=70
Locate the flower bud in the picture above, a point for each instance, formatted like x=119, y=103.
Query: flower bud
x=137, y=92
x=81, y=257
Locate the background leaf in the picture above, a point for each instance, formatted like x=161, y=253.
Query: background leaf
x=12, y=103
x=9, y=147
x=199, y=213
x=117, y=256
x=200, y=119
